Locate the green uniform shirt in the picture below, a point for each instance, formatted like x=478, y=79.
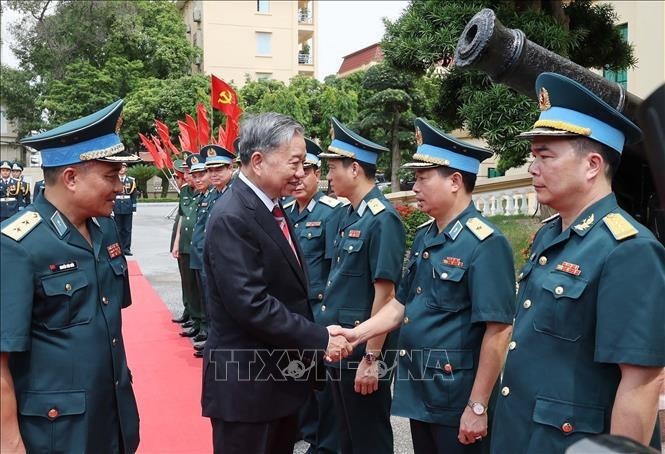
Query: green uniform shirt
x=369, y=245
x=204, y=205
x=454, y=282
x=590, y=298
x=187, y=211
x=61, y=323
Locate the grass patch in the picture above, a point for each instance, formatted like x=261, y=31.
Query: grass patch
x=518, y=230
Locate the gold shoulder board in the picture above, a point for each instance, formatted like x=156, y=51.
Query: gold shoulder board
x=375, y=206
x=425, y=224
x=479, y=228
x=329, y=201
x=22, y=225
x=620, y=227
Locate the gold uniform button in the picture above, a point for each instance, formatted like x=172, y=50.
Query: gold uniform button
x=350, y=248
x=512, y=345
x=526, y=304
x=114, y=341
x=419, y=290
x=319, y=296
x=505, y=391
x=567, y=427
x=323, y=308
x=406, y=320
x=558, y=290
x=68, y=286
x=309, y=235
x=444, y=275
x=53, y=413
x=542, y=260
x=402, y=352
x=105, y=300
x=425, y=255
x=296, y=226
x=448, y=368
x=356, y=323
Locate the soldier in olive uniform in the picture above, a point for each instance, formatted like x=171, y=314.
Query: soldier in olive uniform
x=455, y=304
x=23, y=196
x=366, y=267
x=124, y=209
x=9, y=189
x=588, y=344
x=66, y=387
x=314, y=218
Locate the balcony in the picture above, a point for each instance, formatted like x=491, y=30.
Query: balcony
x=305, y=58
x=305, y=16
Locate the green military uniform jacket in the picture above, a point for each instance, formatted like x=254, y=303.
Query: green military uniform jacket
x=204, y=204
x=187, y=211
x=589, y=299
x=61, y=323
x=369, y=245
x=455, y=281
x=314, y=228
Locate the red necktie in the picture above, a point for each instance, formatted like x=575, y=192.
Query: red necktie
x=278, y=214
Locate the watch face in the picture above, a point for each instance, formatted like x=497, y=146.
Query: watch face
x=478, y=408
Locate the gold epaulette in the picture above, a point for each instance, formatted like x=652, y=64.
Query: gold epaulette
x=375, y=206
x=22, y=225
x=425, y=224
x=479, y=228
x=551, y=218
x=327, y=200
x=619, y=226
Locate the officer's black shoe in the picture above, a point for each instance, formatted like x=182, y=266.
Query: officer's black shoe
x=201, y=337
x=182, y=319
x=198, y=354
x=190, y=332
x=199, y=346
x=128, y=253
x=188, y=324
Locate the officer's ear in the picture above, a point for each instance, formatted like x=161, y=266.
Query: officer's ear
x=256, y=161
x=595, y=165
x=457, y=182
x=70, y=177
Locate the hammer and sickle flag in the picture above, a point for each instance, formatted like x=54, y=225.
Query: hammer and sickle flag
x=223, y=97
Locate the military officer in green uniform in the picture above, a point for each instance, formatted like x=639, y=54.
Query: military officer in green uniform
x=9, y=189
x=124, y=209
x=66, y=387
x=368, y=253
x=219, y=168
x=23, y=196
x=455, y=303
x=314, y=219
x=588, y=344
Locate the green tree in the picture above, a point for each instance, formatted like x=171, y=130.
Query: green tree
x=427, y=33
x=142, y=173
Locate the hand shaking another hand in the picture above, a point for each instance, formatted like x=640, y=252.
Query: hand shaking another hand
x=340, y=343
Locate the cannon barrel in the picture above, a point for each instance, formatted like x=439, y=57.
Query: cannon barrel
x=508, y=57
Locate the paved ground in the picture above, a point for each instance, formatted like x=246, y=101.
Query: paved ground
x=150, y=245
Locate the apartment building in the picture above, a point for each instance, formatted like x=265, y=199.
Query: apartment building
x=261, y=39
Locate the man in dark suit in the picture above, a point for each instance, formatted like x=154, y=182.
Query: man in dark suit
x=262, y=347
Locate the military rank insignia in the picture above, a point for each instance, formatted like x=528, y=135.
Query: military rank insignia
x=453, y=261
x=457, y=228
x=569, y=268
x=619, y=226
x=114, y=250
x=313, y=224
x=354, y=233
x=585, y=224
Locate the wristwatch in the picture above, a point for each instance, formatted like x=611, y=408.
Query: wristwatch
x=478, y=408
x=369, y=357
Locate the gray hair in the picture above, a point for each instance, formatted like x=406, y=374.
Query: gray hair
x=266, y=132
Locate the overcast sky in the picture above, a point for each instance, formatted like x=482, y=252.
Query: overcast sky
x=344, y=27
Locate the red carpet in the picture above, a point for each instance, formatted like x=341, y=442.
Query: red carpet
x=167, y=378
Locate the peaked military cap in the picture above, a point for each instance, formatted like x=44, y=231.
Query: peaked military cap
x=17, y=166
x=568, y=108
x=216, y=156
x=85, y=139
x=195, y=163
x=5, y=165
x=179, y=165
x=348, y=144
x=436, y=148
x=313, y=152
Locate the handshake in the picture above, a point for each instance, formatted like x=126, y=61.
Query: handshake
x=341, y=343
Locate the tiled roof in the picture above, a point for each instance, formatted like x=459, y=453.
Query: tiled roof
x=361, y=58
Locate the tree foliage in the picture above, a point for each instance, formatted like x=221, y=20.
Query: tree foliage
x=426, y=35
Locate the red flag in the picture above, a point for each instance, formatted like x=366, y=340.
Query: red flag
x=231, y=133
x=185, y=139
x=165, y=155
x=203, y=125
x=221, y=137
x=223, y=97
x=152, y=150
x=193, y=134
x=237, y=111
x=165, y=135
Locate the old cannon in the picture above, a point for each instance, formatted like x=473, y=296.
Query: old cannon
x=508, y=57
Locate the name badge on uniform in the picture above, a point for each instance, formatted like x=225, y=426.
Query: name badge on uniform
x=453, y=261
x=114, y=250
x=569, y=268
x=56, y=268
x=354, y=233
x=313, y=224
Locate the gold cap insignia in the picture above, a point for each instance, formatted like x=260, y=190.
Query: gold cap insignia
x=332, y=133
x=419, y=136
x=211, y=152
x=544, y=99
x=194, y=160
x=118, y=124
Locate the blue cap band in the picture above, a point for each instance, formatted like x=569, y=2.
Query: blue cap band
x=199, y=166
x=214, y=160
x=358, y=153
x=455, y=160
x=312, y=159
x=71, y=154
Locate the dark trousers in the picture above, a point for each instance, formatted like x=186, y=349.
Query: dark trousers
x=327, y=431
x=438, y=439
x=364, y=420
x=308, y=420
x=190, y=290
x=198, y=307
x=272, y=437
x=124, y=223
